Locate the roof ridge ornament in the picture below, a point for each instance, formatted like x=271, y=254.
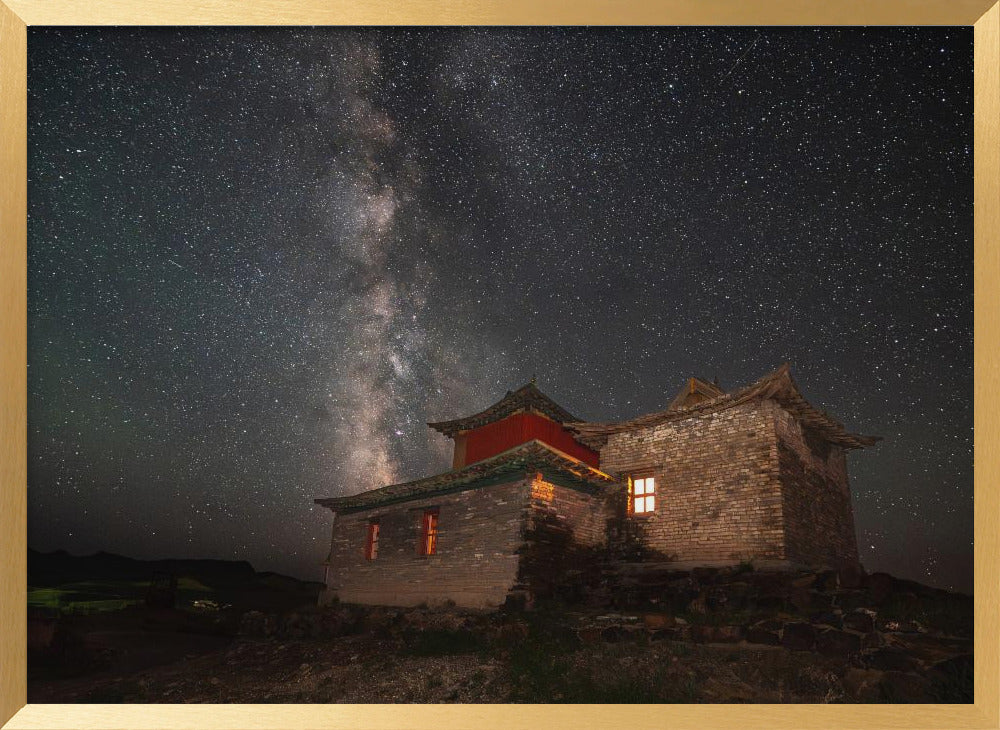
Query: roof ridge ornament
x=527, y=397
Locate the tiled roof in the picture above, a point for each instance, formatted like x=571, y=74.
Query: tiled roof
x=527, y=397
x=778, y=386
x=526, y=458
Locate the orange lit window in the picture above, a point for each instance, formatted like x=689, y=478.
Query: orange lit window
x=371, y=544
x=643, y=495
x=429, y=533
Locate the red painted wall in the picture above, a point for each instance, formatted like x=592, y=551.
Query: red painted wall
x=494, y=438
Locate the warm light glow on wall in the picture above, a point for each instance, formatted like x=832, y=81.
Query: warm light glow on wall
x=542, y=490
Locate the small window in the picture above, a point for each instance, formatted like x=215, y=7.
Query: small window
x=429, y=533
x=371, y=544
x=643, y=495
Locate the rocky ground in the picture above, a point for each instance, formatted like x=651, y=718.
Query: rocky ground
x=704, y=636
x=414, y=656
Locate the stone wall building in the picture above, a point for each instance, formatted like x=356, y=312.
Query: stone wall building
x=755, y=475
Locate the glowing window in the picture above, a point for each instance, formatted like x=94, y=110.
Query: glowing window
x=643, y=495
x=371, y=544
x=429, y=532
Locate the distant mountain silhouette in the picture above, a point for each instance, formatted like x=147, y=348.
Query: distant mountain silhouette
x=59, y=567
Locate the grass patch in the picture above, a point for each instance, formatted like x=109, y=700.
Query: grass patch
x=73, y=601
x=543, y=672
x=440, y=642
x=551, y=665
x=98, y=596
x=187, y=583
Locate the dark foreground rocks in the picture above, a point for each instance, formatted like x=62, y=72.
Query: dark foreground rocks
x=668, y=636
x=351, y=654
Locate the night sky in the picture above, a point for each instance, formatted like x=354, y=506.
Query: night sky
x=259, y=260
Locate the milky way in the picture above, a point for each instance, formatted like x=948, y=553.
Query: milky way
x=261, y=259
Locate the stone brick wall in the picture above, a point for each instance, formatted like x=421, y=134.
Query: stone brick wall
x=819, y=521
x=746, y=483
x=717, y=495
x=565, y=531
x=584, y=515
x=740, y=484
x=519, y=536
x=479, y=535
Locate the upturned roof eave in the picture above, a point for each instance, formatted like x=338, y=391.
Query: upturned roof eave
x=527, y=397
x=778, y=385
x=530, y=456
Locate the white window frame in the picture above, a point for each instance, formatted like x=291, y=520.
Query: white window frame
x=644, y=495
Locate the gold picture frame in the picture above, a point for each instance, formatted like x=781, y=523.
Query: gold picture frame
x=16, y=15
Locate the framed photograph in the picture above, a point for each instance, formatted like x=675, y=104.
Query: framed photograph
x=500, y=366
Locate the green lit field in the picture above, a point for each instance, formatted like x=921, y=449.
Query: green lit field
x=98, y=596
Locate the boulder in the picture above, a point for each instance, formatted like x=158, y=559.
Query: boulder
x=769, y=624
x=861, y=620
x=715, y=634
x=672, y=634
x=827, y=581
x=615, y=634
x=798, y=636
x=863, y=685
x=881, y=586
x=850, y=576
x=806, y=600
x=826, y=618
x=655, y=621
x=891, y=658
x=802, y=599
x=769, y=582
x=700, y=634
x=770, y=603
x=822, y=601
x=762, y=636
x=872, y=640
x=727, y=634
x=850, y=599
x=832, y=642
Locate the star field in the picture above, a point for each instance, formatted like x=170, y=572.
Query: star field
x=261, y=259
